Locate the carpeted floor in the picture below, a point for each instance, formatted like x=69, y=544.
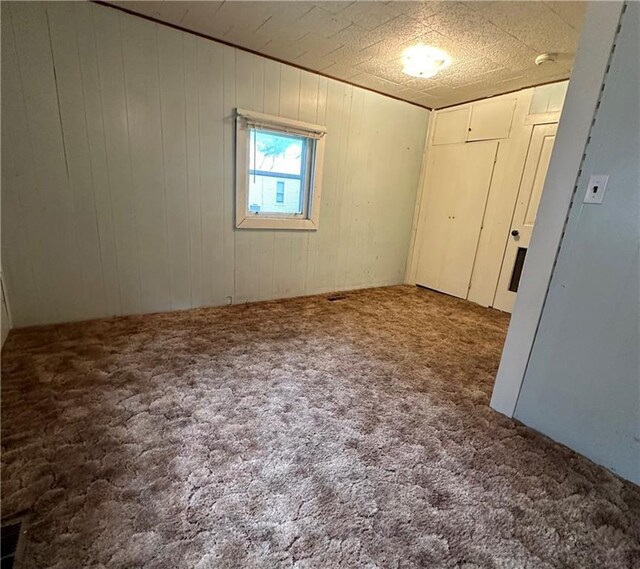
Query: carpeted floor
x=298, y=433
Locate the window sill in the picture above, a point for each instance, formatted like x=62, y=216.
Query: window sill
x=257, y=222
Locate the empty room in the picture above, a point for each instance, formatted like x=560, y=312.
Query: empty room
x=321, y=285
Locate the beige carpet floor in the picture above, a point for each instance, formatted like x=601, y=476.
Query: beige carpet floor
x=298, y=433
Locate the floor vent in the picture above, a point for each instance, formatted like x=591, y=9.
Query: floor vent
x=335, y=297
x=12, y=543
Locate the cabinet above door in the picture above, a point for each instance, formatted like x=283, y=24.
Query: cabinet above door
x=484, y=120
x=491, y=120
x=451, y=126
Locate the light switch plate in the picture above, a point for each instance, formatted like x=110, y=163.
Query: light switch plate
x=595, y=189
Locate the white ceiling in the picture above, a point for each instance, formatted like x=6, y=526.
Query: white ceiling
x=493, y=44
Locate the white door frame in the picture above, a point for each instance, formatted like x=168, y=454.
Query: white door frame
x=591, y=62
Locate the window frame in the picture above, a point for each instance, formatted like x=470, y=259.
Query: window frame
x=316, y=134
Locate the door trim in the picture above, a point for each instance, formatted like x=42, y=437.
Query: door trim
x=542, y=118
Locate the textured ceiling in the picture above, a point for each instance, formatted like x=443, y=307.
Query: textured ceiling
x=493, y=44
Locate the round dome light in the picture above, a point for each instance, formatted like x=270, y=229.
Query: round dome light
x=424, y=61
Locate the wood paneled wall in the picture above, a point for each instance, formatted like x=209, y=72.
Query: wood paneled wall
x=118, y=171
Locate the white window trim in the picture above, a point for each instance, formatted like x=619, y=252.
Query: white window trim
x=247, y=220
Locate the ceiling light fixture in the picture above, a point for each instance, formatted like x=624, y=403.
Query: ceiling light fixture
x=424, y=61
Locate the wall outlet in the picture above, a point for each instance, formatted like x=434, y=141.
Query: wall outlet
x=595, y=189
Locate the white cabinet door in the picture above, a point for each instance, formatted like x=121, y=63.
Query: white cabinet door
x=451, y=126
x=548, y=98
x=524, y=216
x=451, y=218
x=491, y=120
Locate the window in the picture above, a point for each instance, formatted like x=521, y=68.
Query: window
x=278, y=172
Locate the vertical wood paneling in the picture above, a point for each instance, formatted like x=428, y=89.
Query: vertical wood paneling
x=115, y=121
x=51, y=200
x=65, y=51
x=17, y=187
x=352, y=178
x=313, y=237
x=145, y=136
x=118, y=180
x=323, y=263
x=307, y=111
x=228, y=195
x=211, y=117
x=308, y=104
x=192, y=148
x=228, y=166
x=98, y=166
x=174, y=155
x=358, y=179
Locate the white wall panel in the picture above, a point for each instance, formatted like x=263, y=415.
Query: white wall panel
x=584, y=391
x=17, y=181
x=64, y=44
x=46, y=195
x=112, y=125
x=174, y=155
x=192, y=149
x=118, y=171
x=140, y=45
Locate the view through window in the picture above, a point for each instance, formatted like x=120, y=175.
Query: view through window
x=277, y=170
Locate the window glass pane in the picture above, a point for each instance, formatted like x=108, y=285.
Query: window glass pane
x=277, y=169
x=264, y=198
x=273, y=152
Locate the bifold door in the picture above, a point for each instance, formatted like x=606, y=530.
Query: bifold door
x=451, y=217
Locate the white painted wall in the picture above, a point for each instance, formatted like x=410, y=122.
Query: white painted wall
x=582, y=384
x=117, y=171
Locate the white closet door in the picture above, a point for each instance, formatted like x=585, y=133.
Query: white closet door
x=458, y=185
x=524, y=216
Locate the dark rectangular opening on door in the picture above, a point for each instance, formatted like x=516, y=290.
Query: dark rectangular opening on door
x=517, y=269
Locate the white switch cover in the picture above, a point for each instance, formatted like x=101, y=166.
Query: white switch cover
x=595, y=189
